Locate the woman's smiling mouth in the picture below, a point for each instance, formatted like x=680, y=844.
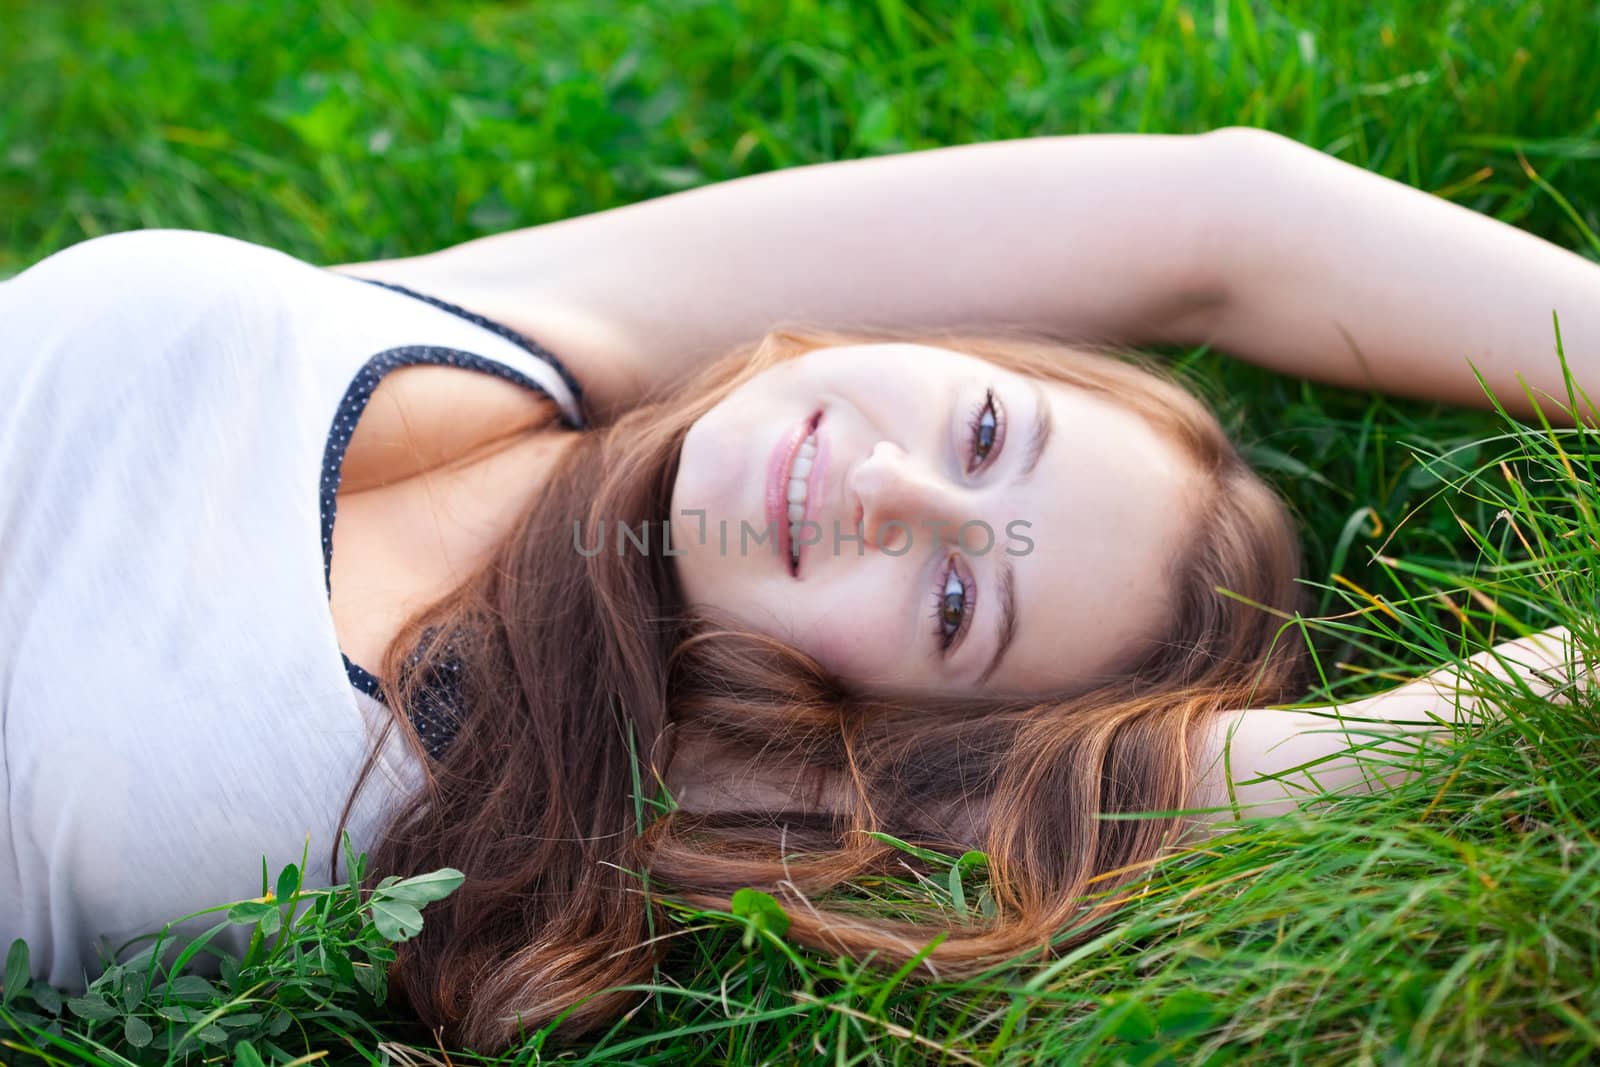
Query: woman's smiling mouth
x=794, y=462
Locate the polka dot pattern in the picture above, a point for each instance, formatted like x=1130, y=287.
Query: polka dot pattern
x=526, y=343
x=438, y=711
x=440, y=701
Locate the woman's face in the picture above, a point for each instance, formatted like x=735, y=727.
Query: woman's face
x=923, y=521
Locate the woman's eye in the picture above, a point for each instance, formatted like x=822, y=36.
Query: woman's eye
x=950, y=608
x=985, y=428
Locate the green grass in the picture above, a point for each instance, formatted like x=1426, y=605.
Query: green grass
x=1455, y=920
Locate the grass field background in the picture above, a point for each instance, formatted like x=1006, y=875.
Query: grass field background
x=1454, y=921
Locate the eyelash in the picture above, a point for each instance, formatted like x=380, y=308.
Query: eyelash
x=947, y=639
x=996, y=434
x=974, y=462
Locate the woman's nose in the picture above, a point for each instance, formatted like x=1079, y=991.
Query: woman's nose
x=902, y=501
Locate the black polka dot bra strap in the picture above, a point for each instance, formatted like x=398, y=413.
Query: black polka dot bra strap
x=523, y=342
x=438, y=701
x=437, y=714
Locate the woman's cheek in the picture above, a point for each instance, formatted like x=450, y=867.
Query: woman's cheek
x=851, y=644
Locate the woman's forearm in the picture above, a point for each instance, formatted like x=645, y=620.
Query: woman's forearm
x=1266, y=761
x=1340, y=275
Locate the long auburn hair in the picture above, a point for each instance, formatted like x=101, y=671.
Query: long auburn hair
x=588, y=683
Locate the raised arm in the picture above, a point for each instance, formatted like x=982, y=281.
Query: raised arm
x=1335, y=273
x=1266, y=761
x=1238, y=238
x=1101, y=236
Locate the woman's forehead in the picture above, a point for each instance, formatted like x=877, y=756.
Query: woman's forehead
x=919, y=362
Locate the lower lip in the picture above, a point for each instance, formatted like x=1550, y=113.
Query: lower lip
x=778, y=468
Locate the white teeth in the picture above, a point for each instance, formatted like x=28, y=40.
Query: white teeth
x=797, y=493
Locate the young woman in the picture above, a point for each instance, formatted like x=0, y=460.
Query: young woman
x=925, y=560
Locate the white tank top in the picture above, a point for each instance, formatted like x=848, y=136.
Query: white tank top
x=174, y=705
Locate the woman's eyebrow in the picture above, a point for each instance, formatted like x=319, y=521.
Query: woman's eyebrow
x=1043, y=424
x=1008, y=617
